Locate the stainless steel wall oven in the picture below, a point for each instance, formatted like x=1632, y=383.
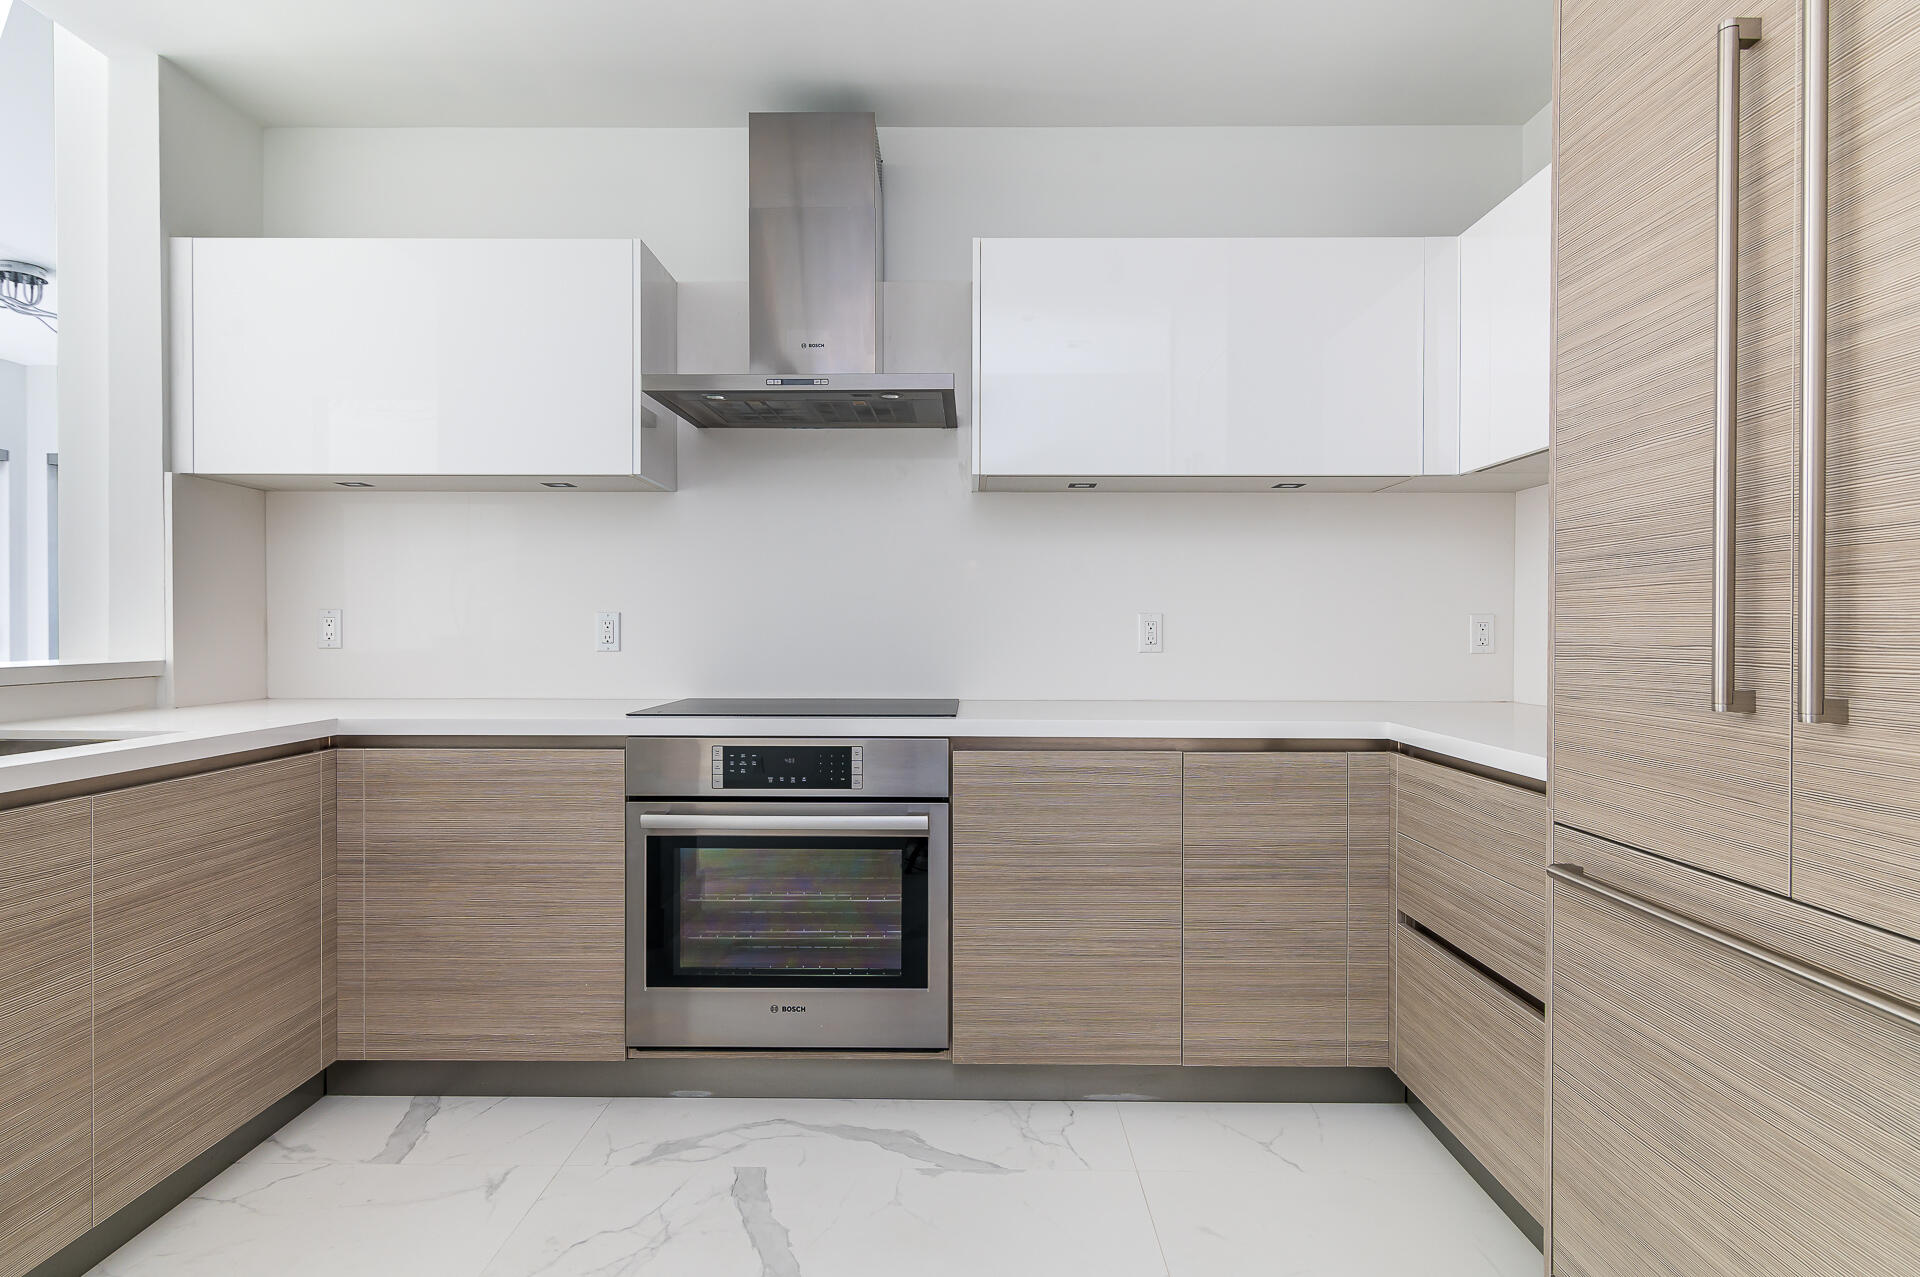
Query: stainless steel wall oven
x=787, y=893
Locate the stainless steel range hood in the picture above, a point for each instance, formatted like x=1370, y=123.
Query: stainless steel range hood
x=813, y=292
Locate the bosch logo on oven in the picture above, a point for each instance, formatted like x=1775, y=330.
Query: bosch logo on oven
x=777, y=1009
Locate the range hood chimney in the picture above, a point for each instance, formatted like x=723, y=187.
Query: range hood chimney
x=813, y=291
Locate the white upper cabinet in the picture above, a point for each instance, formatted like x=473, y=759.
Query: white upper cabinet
x=420, y=363
x=1200, y=358
x=1506, y=322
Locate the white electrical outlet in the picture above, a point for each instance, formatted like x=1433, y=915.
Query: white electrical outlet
x=1480, y=633
x=330, y=627
x=1152, y=632
x=606, y=631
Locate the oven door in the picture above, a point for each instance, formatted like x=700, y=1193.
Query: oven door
x=818, y=925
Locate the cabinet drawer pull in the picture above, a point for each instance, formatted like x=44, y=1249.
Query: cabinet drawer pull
x=655, y=823
x=1574, y=876
x=1735, y=34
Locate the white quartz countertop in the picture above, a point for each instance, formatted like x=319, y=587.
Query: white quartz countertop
x=1497, y=734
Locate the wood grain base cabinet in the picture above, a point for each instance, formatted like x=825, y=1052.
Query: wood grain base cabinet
x=1477, y=1056
x=1264, y=939
x=1066, y=907
x=1138, y=907
x=489, y=918
x=207, y=981
x=1370, y=824
x=1714, y=1116
x=46, y=1078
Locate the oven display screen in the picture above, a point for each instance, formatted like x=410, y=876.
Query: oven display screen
x=787, y=767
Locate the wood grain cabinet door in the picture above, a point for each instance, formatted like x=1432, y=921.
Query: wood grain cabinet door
x=1265, y=909
x=207, y=979
x=1714, y=1116
x=1856, y=785
x=46, y=1068
x=491, y=914
x=1066, y=907
x=1638, y=753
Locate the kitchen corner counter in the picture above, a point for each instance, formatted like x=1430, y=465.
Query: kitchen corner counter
x=1500, y=735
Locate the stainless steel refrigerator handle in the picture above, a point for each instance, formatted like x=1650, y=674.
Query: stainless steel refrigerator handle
x=1815, y=705
x=655, y=821
x=1735, y=34
x=1840, y=986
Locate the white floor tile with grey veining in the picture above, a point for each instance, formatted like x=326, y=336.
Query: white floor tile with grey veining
x=426, y=1130
x=1333, y=1225
x=749, y=1221
x=1304, y=1139
x=329, y=1219
x=456, y=1187
x=946, y=1135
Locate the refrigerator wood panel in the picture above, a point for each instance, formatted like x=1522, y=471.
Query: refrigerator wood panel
x=1856, y=785
x=1639, y=755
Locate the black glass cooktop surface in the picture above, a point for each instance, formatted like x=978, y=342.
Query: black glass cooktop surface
x=824, y=707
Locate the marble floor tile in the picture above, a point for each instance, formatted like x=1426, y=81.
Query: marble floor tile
x=745, y=1221
x=989, y=1137
x=1297, y=1139
x=433, y=1131
x=331, y=1219
x=1433, y=1224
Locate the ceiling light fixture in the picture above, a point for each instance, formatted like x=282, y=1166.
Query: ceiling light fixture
x=22, y=287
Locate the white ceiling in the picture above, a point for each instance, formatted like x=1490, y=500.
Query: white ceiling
x=913, y=62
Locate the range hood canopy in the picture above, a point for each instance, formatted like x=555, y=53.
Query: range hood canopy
x=813, y=291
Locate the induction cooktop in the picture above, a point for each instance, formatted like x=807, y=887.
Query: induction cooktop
x=812, y=707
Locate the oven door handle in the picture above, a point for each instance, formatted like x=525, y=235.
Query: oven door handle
x=655, y=822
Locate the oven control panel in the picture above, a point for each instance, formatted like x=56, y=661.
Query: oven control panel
x=786, y=767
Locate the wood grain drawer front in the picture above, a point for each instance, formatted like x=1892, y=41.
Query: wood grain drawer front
x=1497, y=828
x=1637, y=750
x=1714, y=1116
x=1494, y=922
x=1265, y=909
x=1066, y=907
x=1477, y=1056
x=207, y=967
x=46, y=1022
x=494, y=903
x=1866, y=955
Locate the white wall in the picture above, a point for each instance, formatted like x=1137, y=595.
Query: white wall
x=218, y=594
x=815, y=563
x=1536, y=142
x=26, y=183
x=1531, y=619
x=685, y=190
x=28, y=433
x=210, y=184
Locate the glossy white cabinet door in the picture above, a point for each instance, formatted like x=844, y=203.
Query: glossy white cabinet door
x=1506, y=325
x=413, y=357
x=1200, y=356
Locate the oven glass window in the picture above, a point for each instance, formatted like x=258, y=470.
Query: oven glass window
x=787, y=912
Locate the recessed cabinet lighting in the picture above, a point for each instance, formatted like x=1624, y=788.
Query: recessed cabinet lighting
x=351, y=483
x=1083, y=485
x=1289, y=486
x=557, y=484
